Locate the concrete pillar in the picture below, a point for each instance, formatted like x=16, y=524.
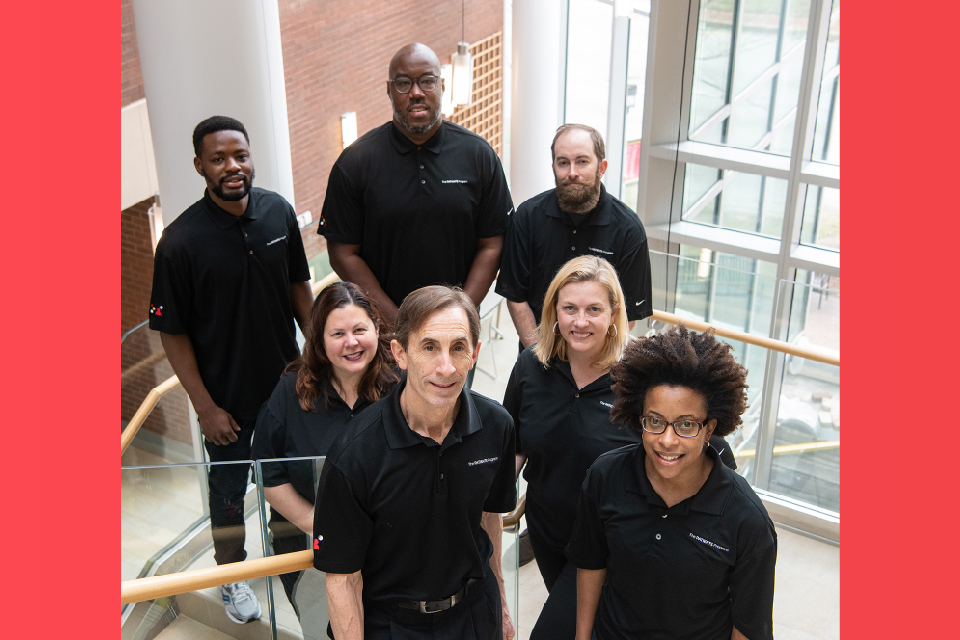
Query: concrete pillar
x=537, y=104
x=214, y=57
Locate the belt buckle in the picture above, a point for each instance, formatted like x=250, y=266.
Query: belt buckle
x=439, y=604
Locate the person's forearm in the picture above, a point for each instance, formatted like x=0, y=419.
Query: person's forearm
x=345, y=605
x=521, y=460
x=353, y=268
x=524, y=321
x=492, y=523
x=301, y=299
x=484, y=269
x=589, y=584
x=183, y=360
x=291, y=505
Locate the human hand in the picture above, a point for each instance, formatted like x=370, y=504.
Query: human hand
x=218, y=426
x=508, y=629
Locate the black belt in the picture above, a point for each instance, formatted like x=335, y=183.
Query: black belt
x=436, y=606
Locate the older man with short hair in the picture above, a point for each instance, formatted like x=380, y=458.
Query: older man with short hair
x=407, y=522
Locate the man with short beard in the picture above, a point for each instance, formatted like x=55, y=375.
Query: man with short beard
x=576, y=218
x=417, y=201
x=230, y=275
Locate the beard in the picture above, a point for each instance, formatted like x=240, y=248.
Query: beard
x=578, y=196
x=234, y=196
x=401, y=119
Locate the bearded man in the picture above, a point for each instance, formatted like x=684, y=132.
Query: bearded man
x=417, y=201
x=576, y=218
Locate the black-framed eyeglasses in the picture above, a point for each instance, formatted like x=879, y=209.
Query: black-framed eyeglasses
x=683, y=428
x=426, y=83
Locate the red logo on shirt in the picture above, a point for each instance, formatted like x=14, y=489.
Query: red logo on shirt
x=155, y=310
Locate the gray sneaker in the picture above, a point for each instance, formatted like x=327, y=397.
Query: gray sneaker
x=240, y=601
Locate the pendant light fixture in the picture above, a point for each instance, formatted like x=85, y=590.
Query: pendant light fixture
x=462, y=68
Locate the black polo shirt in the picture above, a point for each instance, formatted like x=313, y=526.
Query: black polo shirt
x=541, y=239
x=694, y=570
x=562, y=430
x=285, y=430
x=416, y=211
x=406, y=510
x=224, y=281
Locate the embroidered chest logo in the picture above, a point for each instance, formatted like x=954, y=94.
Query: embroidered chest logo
x=606, y=253
x=606, y=404
x=484, y=461
x=453, y=181
x=156, y=310
x=275, y=240
x=708, y=543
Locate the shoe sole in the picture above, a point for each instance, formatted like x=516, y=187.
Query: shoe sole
x=239, y=621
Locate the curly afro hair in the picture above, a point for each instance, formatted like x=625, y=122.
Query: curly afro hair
x=681, y=358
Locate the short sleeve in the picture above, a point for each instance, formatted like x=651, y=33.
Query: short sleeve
x=269, y=440
x=495, y=202
x=511, y=402
x=171, y=293
x=342, y=528
x=502, y=497
x=634, y=273
x=588, y=544
x=513, y=283
x=341, y=219
x=298, y=267
x=751, y=585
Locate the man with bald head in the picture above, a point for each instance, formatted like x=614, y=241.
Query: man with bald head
x=416, y=201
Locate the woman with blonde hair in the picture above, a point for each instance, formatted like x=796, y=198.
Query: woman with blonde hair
x=559, y=395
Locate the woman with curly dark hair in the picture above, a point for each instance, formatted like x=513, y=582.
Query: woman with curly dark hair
x=346, y=366
x=669, y=543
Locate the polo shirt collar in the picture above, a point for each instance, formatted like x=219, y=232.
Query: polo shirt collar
x=564, y=368
x=224, y=219
x=712, y=497
x=599, y=216
x=403, y=144
x=399, y=434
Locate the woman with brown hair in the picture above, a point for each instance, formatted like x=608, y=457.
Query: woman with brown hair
x=346, y=366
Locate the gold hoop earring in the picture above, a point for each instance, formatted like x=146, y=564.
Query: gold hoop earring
x=555, y=325
x=615, y=332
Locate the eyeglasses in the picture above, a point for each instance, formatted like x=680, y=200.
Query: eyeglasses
x=683, y=428
x=426, y=83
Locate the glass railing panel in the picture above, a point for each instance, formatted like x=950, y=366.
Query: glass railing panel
x=300, y=598
x=728, y=291
x=165, y=436
x=165, y=529
x=809, y=407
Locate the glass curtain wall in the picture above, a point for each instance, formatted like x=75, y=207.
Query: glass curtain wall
x=737, y=183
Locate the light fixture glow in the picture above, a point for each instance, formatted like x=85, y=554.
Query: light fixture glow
x=446, y=102
x=348, y=127
x=462, y=75
x=622, y=8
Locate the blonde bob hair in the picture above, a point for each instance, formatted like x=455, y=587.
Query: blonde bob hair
x=583, y=269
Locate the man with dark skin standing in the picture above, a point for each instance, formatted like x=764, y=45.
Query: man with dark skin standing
x=230, y=276
x=417, y=201
x=577, y=218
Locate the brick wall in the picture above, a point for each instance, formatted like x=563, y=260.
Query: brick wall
x=136, y=265
x=131, y=80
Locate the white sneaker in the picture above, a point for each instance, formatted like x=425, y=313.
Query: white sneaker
x=240, y=601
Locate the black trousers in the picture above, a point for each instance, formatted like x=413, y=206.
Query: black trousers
x=477, y=617
x=558, y=618
x=287, y=538
x=228, y=484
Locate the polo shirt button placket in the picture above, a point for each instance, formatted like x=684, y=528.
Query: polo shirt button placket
x=657, y=536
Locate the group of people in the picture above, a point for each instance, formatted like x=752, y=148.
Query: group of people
x=639, y=527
